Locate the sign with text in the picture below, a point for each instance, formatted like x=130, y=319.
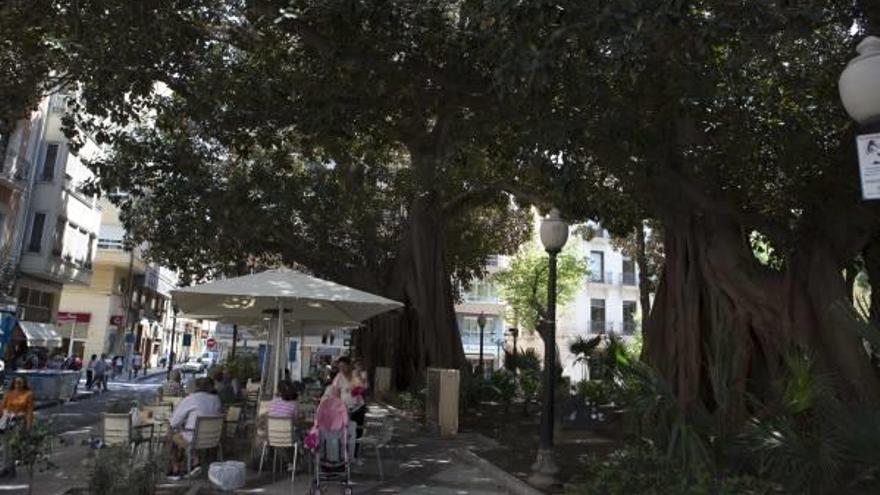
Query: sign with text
x=71, y=316
x=868, y=146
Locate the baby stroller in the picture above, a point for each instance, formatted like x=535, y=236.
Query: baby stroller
x=335, y=446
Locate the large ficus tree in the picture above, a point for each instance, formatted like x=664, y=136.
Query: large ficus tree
x=371, y=142
x=722, y=121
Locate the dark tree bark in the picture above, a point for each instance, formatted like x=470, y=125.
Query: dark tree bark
x=711, y=283
x=426, y=334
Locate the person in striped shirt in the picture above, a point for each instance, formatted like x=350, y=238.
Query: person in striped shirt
x=284, y=404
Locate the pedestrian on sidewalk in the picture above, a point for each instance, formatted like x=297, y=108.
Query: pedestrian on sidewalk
x=100, y=373
x=118, y=364
x=136, y=362
x=90, y=371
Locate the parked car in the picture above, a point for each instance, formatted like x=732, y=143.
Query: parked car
x=209, y=359
x=193, y=365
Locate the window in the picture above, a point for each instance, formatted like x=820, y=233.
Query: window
x=597, y=315
x=58, y=236
x=629, y=272
x=49, y=162
x=482, y=291
x=629, y=317
x=36, y=243
x=597, y=266
x=470, y=330
x=35, y=305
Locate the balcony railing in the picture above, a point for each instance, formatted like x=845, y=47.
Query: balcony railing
x=607, y=278
x=58, y=103
x=613, y=327
x=115, y=244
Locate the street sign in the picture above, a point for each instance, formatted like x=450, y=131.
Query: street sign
x=187, y=340
x=72, y=316
x=868, y=146
x=210, y=343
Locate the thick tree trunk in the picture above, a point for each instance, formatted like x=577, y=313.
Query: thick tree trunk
x=426, y=334
x=712, y=288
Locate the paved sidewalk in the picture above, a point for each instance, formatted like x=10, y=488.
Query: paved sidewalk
x=416, y=463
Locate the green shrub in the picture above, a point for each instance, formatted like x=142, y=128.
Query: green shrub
x=31, y=446
x=115, y=471
x=641, y=469
x=244, y=367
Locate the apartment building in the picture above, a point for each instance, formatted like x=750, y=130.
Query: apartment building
x=127, y=306
x=48, y=227
x=482, y=298
x=606, y=302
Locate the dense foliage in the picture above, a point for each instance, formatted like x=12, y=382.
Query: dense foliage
x=523, y=284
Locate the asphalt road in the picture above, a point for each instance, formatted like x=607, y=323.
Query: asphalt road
x=86, y=409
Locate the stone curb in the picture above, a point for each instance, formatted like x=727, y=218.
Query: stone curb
x=510, y=482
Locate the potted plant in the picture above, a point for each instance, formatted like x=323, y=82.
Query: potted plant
x=30, y=447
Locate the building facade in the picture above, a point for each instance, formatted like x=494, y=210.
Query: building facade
x=48, y=223
x=607, y=302
x=127, y=306
x=482, y=298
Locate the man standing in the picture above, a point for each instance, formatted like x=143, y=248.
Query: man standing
x=90, y=371
x=202, y=402
x=136, y=362
x=100, y=373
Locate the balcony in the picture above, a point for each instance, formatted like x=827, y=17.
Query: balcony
x=606, y=278
x=13, y=172
x=625, y=328
x=58, y=103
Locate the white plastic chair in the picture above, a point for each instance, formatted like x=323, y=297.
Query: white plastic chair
x=118, y=431
x=207, y=434
x=159, y=415
x=232, y=422
x=281, y=434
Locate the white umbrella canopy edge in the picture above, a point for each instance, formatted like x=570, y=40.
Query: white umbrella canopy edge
x=310, y=298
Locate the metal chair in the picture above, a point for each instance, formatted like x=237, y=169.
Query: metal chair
x=281, y=434
x=159, y=415
x=118, y=431
x=380, y=435
x=205, y=436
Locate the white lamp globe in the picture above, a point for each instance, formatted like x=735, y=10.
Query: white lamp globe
x=859, y=83
x=554, y=232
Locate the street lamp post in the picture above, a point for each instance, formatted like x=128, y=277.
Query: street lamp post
x=481, y=322
x=514, y=332
x=554, y=234
x=173, y=336
x=858, y=85
x=859, y=82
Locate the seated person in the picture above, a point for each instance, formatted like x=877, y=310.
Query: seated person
x=222, y=387
x=284, y=404
x=202, y=402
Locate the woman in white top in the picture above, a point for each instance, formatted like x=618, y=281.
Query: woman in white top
x=352, y=392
